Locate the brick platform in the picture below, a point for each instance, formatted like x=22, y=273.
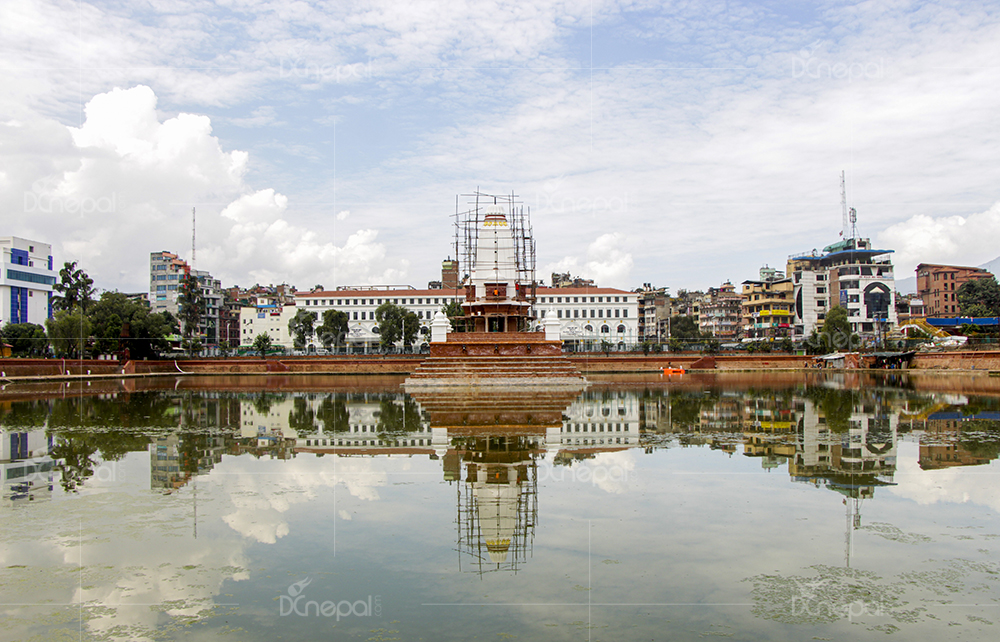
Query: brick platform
x=511, y=359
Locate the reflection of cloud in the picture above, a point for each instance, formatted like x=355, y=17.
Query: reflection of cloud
x=959, y=485
x=262, y=491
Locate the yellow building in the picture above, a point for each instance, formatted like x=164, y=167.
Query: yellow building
x=767, y=305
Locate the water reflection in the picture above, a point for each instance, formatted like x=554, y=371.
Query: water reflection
x=483, y=482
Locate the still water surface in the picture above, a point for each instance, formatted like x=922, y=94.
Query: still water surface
x=326, y=509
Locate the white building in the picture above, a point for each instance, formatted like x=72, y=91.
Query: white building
x=589, y=315
x=266, y=318
x=26, y=281
x=850, y=274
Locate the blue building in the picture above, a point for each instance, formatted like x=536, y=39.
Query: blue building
x=26, y=280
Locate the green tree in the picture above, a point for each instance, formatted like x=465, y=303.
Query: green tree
x=456, y=315
x=301, y=327
x=262, y=343
x=333, y=413
x=74, y=289
x=301, y=417
x=394, y=322
x=25, y=339
x=333, y=331
x=68, y=332
x=684, y=328
x=980, y=298
x=116, y=319
x=836, y=335
x=191, y=305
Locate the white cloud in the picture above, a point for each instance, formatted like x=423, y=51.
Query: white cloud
x=963, y=240
x=124, y=180
x=608, y=263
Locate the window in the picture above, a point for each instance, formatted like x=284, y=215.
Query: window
x=362, y=316
x=576, y=299
x=616, y=300
x=605, y=329
x=559, y=313
x=600, y=314
x=591, y=299
x=576, y=314
x=621, y=329
x=618, y=314
x=355, y=315
x=625, y=314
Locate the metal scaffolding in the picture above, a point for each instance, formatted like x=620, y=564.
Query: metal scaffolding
x=467, y=221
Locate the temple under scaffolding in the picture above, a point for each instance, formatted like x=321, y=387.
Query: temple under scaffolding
x=500, y=339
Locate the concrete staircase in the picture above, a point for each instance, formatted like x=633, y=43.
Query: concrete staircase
x=496, y=371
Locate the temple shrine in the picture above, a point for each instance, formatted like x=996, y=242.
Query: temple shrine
x=500, y=339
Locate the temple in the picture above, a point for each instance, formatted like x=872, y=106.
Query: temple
x=498, y=340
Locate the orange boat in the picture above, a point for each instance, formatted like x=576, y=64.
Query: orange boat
x=672, y=371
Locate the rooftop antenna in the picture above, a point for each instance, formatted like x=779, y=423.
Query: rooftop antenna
x=843, y=206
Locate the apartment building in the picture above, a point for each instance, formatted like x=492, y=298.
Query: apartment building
x=767, y=305
x=938, y=285
x=851, y=274
x=652, y=309
x=166, y=272
x=721, y=312
x=26, y=281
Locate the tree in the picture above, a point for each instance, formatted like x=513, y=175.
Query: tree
x=191, y=305
x=980, y=298
x=262, y=343
x=68, y=332
x=684, y=328
x=25, y=339
x=301, y=327
x=395, y=321
x=116, y=321
x=75, y=288
x=333, y=332
x=453, y=310
x=836, y=335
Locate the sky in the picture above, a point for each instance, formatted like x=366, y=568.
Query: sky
x=681, y=144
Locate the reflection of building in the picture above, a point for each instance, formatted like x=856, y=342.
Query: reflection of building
x=26, y=468
x=175, y=458
x=943, y=445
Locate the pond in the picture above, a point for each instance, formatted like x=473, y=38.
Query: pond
x=756, y=507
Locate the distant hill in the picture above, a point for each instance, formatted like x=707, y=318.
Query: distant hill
x=992, y=266
x=907, y=286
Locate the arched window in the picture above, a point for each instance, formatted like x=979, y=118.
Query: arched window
x=621, y=329
x=605, y=329
x=588, y=328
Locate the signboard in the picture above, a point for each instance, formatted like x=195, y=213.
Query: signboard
x=843, y=298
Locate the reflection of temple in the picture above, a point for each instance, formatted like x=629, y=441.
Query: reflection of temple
x=498, y=503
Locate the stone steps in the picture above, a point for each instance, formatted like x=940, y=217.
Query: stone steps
x=494, y=370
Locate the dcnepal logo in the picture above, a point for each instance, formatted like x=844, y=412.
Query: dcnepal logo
x=295, y=603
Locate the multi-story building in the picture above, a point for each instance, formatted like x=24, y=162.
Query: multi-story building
x=851, y=274
x=26, y=281
x=938, y=285
x=589, y=315
x=721, y=312
x=652, y=309
x=166, y=272
x=767, y=306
